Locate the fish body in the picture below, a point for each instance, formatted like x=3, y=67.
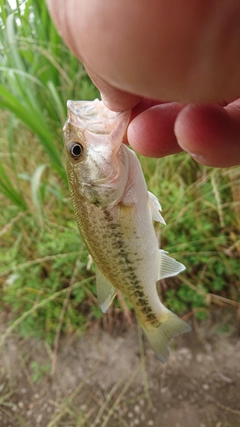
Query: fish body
x=115, y=214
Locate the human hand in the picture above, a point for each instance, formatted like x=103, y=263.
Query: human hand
x=186, y=52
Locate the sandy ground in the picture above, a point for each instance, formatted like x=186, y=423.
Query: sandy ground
x=102, y=379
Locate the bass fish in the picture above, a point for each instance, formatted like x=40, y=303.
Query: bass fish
x=115, y=214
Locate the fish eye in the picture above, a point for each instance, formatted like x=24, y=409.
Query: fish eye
x=76, y=150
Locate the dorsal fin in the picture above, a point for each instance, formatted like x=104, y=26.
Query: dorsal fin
x=155, y=208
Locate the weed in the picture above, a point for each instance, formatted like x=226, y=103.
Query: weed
x=201, y=228
x=38, y=371
x=38, y=74
x=40, y=244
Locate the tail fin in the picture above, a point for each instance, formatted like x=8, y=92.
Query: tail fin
x=160, y=337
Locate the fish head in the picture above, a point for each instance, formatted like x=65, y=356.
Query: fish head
x=97, y=163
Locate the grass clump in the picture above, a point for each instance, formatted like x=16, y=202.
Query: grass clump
x=202, y=215
x=38, y=74
x=42, y=255
x=42, y=247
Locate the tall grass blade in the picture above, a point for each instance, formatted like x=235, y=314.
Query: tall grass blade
x=38, y=74
x=35, y=188
x=9, y=191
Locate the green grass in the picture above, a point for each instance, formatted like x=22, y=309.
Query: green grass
x=201, y=209
x=43, y=263
x=38, y=75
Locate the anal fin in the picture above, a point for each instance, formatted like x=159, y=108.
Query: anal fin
x=168, y=266
x=105, y=291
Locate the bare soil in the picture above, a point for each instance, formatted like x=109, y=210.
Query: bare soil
x=103, y=379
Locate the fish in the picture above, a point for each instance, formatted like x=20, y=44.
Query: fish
x=115, y=213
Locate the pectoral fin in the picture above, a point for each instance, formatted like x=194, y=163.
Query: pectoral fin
x=168, y=266
x=155, y=208
x=105, y=291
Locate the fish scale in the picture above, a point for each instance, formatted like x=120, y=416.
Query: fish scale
x=115, y=214
x=106, y=230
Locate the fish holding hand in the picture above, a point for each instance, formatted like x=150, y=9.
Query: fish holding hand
x=115, y=214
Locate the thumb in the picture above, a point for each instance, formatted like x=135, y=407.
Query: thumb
x=115, y=99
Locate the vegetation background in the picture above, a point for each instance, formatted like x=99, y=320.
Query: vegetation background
x=47, y=287
x=41, y=250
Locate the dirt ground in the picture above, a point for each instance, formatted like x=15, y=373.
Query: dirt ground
x=103, y=379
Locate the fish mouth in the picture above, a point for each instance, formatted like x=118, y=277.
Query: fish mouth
x=96, y=118
x=93, y=116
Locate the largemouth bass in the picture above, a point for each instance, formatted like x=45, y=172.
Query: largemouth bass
x=115, y=214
